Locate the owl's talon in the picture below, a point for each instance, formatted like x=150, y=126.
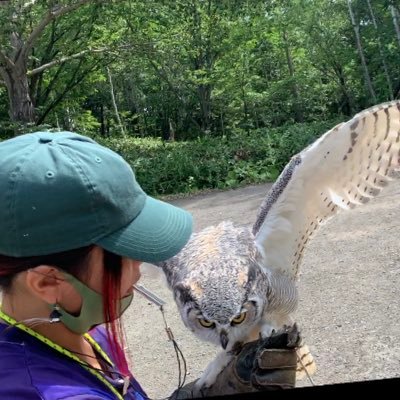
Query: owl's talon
x=294, y=337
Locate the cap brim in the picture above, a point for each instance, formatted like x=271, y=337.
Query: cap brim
x=159, y=232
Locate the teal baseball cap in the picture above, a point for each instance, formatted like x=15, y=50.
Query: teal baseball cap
x=61, y=191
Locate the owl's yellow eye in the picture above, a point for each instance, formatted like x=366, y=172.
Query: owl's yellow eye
x=239, y=318
x=205, y=323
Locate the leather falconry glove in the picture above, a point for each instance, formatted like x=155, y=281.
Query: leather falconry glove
x=262, y=365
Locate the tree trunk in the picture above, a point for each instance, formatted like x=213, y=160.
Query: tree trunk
x=298, y=114
x=205, y=106
x=172, y=130
x=15, y=55
x=222, y=124
x=356, y=28
x=102, y=121
x=203, y=61
x=245, y=107
x=21, y=108
x=114, y=103
x=347, y=106
x=395, y=16
x=383, y=60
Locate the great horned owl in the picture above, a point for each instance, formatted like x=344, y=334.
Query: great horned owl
x=233, y=283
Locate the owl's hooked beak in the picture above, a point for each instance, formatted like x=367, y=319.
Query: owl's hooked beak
x=224, y=338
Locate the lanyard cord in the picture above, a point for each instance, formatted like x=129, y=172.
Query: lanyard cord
x=66, y=352
x=182, y=367
x=179, y=355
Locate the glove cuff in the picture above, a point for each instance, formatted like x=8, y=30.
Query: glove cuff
x=277, y=359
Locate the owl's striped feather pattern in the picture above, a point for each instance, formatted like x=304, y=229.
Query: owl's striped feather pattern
x=344, y=168
x=226, y=270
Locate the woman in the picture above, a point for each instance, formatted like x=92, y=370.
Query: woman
x=75, y=226
x=74, y=229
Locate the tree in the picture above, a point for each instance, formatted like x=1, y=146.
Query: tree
x=182, y=69
x=356, y=27
x=22, y=64
x=381, y=52
x=395, y=15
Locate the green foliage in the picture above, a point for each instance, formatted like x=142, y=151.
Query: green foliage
x=189, y=69
x=10, y=129
x=223, y=83
x=214, y=163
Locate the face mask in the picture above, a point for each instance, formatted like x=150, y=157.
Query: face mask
x=92, y=308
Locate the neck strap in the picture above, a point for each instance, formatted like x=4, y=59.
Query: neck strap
x=11, y=321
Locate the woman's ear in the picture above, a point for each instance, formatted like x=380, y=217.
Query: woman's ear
x=44, y=282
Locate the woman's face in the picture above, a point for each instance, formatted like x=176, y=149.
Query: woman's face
x=71, y=300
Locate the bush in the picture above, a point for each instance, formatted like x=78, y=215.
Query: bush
x=164, y=168
x=208, y=163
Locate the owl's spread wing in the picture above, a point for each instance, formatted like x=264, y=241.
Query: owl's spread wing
x=344, y=168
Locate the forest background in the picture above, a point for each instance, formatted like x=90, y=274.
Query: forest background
x=196, y=94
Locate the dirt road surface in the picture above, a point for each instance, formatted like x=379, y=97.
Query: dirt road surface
x=349, y=290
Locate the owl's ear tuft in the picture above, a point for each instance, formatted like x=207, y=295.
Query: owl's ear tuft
x=184, y=292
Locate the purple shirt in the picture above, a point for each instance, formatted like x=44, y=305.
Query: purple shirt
x=32, y=370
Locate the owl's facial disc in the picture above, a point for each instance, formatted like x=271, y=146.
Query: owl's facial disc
x=223, y=332
x=222, y=321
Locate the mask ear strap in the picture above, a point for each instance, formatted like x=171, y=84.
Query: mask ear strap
x=55, y=314
x=41, y=273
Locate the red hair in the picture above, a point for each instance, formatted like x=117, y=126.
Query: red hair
x=112, y=275
x=75, y=262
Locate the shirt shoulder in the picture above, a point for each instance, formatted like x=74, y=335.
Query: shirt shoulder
x=32, y=370
x=15, y=380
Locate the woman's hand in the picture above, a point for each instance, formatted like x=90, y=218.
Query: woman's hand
x=261, y=365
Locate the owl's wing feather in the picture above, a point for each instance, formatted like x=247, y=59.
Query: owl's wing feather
x=342, y=169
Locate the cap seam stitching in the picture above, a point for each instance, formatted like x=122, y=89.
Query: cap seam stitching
x=12, y=201
x=87, y=182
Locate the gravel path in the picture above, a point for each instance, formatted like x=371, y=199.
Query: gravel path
x=349, y=291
